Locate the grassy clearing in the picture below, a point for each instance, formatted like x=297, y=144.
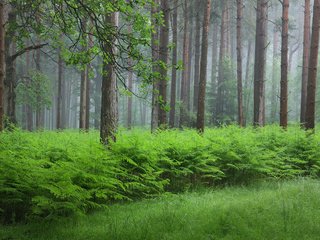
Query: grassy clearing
x=289, y=210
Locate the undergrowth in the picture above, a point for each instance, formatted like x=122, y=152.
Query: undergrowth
x=50, y=174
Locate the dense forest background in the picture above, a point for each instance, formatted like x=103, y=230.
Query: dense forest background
x=148, y=63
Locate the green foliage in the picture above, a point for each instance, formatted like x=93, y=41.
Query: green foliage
x=279, y=210
x=50, y=174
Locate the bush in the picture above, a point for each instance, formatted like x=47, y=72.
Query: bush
x=50, y=174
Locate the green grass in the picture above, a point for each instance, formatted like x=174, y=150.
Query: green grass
x=287, y=210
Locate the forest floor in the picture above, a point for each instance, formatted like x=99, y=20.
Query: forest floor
x=276, y=210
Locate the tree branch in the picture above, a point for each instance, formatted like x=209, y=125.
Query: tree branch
x=27, y=49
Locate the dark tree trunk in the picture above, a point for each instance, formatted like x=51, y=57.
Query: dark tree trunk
x=109, y=95
x=305, y=64
x=163, y=57
x=130, y=88
x=220, y=87
x=197, y=49
x=260, y=62
x=239, y=61
x=313, y=63
x=184, y=79
x=59, y=123
x=203, y=68
x=155, y=69
x=2, y=62
x=284, y=65
x=174, y=64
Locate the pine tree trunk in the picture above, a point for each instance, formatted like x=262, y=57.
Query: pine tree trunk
x=220, y=87
x=174, y=64
x=203, y=68
x=155, y=69
x=274, y=76
x=197, y=49
x=163, y=57
x=59, y=96
x=109, y=95
x=305, y=64
x=260, y=63
x=184, y=79
x=284, y=65
x=239, y=61
x=313, y=63
x=2, y=62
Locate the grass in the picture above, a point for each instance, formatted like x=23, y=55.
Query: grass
x=283, y=210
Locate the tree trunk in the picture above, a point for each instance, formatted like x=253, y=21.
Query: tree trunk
x=184, y=79
x=59, y=123
x=109, y=95
x=203, y=68
x=284, y=65
x=313, y=63
x=247, y=83
x=239, y=61
x=174, y=64
x=197, y=49
x=260, y=63
x=220, y=87
x=155, y=69
x=83, y=87
x=274, y=76
x=305, y=64
x=130, y=88
x=2, y=62
x=163, y=57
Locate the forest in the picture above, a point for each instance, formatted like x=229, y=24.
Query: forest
x=159, y=119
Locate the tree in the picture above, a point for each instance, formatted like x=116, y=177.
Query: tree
x=109, y=98
x=313, y=63
x=239, y=62
x=2, y=63
x=259, y=64
x=163, y=57
x=59, y=120
x=203, y=68
x=174, y=64
x=197, y=49
x=185, y=58
x=305, y=61
x=284, y=65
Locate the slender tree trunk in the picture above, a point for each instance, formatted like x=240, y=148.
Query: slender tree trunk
x=155, y=69
x=247, y=82
x=284, y=65
x=305, y=64
x=203, y=68
x=83, y=87
x=109, y=95
x=163, y=57
x=130, y=88
x=313, y=63
x=239, y=61
x=260, y=62
x=2, y=62
x=274, y=76
x=59, y=96
x=39, y=110
x=197, y=49
x=220, y=87
x=189, y=68
x=184, y=79
x=174, y=64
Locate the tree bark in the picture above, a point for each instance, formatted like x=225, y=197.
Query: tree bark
x=109, y=95
x=239, y=61
x=2, y=62
x=203, y=68
x=274, y=76
x=284, y=65
x=197, y=49
x=305, y=64
x=155, y=69
x=59, y=96
x=184, y=79
x=174, y=64
x=260, y=62
x=163, y=57
x=313, y=63
x=220, y=87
